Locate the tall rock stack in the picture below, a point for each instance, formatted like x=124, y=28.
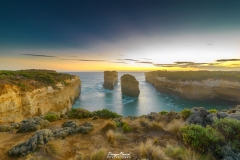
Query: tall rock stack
x=129, y=85
x=110, y=79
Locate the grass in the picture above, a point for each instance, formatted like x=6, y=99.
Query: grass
x=111, y=136
x=108, y=125
x=100, y=154
x=197, y=75
x=79, y=113
x=52, y=150
x=174, y=127
x=149, y=151
x=190, y=154
x=174, y=152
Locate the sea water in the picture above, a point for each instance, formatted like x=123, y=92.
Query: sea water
x=95, y=97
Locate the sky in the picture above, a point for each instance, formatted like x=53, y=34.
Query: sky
x=122, y=35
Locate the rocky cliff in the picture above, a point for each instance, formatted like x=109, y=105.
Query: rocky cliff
x=24, y=96
x=110, y=79
x=129, y=85
x=215, y=89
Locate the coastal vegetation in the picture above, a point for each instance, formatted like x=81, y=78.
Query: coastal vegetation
x=30, y=79
x=198, y=75
x=170, y=136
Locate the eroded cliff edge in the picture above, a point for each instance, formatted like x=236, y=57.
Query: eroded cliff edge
x=198, y=85
x=28, y=93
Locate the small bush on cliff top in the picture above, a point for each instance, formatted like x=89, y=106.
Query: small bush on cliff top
x=229, y=128
x=199, y=137
x=105, y=113
x=163, y=112
x=185, y=113
x=80, y=113
x=51, y=117
x=213, y=111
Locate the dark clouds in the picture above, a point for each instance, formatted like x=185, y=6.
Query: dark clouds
x=81, y=24
x=38, y=55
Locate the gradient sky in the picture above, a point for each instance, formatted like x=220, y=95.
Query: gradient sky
x=136, y=35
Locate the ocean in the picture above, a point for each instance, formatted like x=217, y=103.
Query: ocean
x=95, y=97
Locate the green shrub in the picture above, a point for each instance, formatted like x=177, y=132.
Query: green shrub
x=105, y=113
x=51, y=117
x=199, y=137
x=163, y=112
x=79, y=113
x=213, y=111
x=5, y=128
x=229, y=128
x=126, y=128
x=185, y=113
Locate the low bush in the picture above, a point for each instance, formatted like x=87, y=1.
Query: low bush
x=79, y=113
x=229, y=128
x=200, y=138
x=213, y=111
x=163, y=112
x=51, y=117
x=185, y=113
x=105, y=113
x=126, y=128
x=5, y=128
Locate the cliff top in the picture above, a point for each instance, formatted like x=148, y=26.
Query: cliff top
x=197, y=75
x=128, y=77
x=31, y=79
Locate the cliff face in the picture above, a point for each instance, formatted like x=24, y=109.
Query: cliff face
x=110, y=79
x=208, y=89
x=16, y=104
x=129, y=85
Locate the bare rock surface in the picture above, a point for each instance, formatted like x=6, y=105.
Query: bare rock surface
x=110, y=79
x=129, y=85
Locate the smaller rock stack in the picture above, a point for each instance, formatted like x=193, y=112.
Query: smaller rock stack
x=110, y=79
x=129, y=85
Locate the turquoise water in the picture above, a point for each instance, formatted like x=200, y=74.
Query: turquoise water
x=95, y=97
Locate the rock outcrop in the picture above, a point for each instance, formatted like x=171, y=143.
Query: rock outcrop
x=202, y=90
x=18, y=103
x=110, y=79
x=129, y=86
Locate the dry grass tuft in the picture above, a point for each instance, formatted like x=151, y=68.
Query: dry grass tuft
x=174, y=152
x=100, y=154
x=174, y=127
x=108, y=125
x=52, y=149
x=156, y=126
x=111, y=136
x=149, y=151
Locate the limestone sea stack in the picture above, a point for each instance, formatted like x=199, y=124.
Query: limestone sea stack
x=129, y=86
x=110, y=79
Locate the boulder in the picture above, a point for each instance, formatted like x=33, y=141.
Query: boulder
x=110, y=79
x=129, y=86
